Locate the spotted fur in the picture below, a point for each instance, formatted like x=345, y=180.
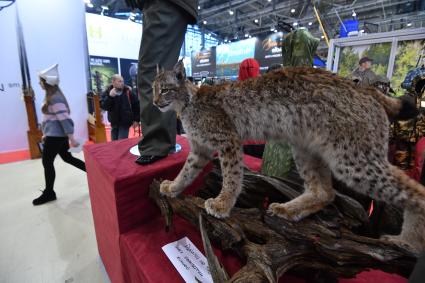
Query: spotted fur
x=334, y=128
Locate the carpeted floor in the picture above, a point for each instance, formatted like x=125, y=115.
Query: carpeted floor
x=51, y=243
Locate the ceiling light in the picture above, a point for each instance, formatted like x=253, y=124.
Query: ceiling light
x=354, y=14
x=104, y=7
x=275, y=30
x=205, y=22
x=256, y=21
x=246, y=34
x=199, y=7
x=310, y=23
x=295, y=24
x=271, y=28
x=90, y=5
x=409, y=24
x=269, y=0
x=322, y=37
x=230, y=12
x=292, y=10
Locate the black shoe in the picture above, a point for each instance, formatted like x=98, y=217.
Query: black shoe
x=145, y=160
x=46, y=196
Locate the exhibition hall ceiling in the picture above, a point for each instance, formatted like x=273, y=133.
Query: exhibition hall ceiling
x=235, y=19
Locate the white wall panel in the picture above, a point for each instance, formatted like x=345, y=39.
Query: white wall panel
x=54, y=32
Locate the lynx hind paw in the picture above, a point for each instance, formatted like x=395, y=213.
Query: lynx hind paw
x=280, y=210
x=167, y=189
x=217, y=208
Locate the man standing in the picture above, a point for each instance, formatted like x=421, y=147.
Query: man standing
x=164, y=29
x=122, y=106
x=364, y=75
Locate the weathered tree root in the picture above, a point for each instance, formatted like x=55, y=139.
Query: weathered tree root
x=330, y=242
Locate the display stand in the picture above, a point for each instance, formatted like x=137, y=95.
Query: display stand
x=96, y=128
x=33, y=134
x=128, y=226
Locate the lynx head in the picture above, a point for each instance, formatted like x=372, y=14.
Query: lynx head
x=169, y=88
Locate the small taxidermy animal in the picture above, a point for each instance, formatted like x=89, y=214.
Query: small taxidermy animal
x=333, y=126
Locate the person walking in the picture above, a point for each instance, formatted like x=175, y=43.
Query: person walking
x=58, y=132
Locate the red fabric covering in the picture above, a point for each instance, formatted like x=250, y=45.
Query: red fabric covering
x=139, y=245
x=139, y=264
x=375, y=276
x=128, y=226
x=253, y=163
x=250, y=142
x=249, y=68
x=119, y=193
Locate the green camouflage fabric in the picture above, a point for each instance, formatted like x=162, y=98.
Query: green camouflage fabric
x=277, y=159
x=298, y=49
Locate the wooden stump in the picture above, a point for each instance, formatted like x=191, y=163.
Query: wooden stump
x=330, y=244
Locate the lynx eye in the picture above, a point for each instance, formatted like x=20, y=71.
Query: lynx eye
x=164, y=90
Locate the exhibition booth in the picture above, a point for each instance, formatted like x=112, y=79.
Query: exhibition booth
x=395, y=54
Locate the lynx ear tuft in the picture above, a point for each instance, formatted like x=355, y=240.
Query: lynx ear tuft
x=180, y=71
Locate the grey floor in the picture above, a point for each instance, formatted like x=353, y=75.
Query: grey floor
x=54, y=242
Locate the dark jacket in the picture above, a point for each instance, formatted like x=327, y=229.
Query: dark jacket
x=190, y=6
x=122, y=109
x=366, y=77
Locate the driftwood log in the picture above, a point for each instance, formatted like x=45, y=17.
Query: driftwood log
x=333, y=243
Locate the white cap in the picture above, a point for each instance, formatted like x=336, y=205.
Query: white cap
x=51, y=75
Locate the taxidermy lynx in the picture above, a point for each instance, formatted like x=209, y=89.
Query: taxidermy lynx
x=333, y=127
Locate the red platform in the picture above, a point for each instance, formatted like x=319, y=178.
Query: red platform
x=129, y=228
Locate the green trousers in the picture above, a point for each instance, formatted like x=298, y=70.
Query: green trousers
x=164, y=29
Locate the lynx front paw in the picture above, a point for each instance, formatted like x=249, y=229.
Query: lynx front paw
x=279, y=209
x=217, y=208
x=167, y=188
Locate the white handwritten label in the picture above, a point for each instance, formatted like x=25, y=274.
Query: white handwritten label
x=188, y=260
